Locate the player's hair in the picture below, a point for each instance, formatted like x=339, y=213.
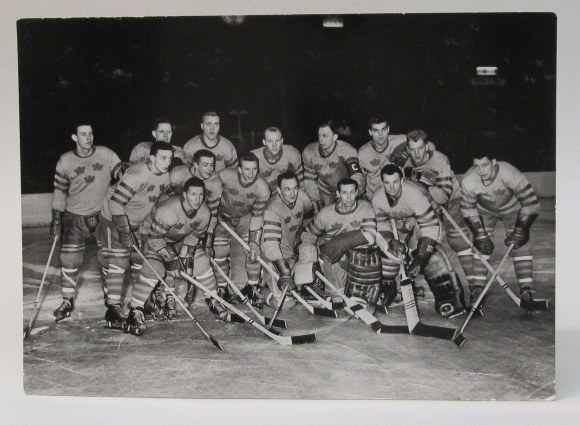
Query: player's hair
x=378, y=120
x=75, y=126
x=414, y=135
x=481, y=150
x=346, y=181
x=162, y=120
x=250, y=157
x=391, y=169
x=209, y=114
x=160, y=146
x=203, y=153
x=272, y=130
x=330, y=124
x=287, y=175
x=193, y=182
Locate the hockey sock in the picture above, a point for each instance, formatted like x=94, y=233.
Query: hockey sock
x=69, y=282
x=141, y=291
x=523, y=266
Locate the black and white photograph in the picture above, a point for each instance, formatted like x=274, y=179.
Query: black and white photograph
x=307, y=206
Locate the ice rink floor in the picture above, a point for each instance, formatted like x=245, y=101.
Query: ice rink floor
x=509, y=354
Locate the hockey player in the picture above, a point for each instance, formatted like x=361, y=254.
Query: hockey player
x=174, y=229
x=375, y=154
x=244, y=198
x=163, y=131
x=347, y=214
x=408, y=204
x=276, y=158
x=81, y=179
x=326, y=162
x=283, y=222
x=223, y=149
x=495, y=191
x=125, y=206
x=431, y=168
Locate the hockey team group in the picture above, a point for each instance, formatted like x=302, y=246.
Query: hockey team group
x=330, y=227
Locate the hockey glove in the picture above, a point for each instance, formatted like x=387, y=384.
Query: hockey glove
x=521, y=233
x=425, y=248
x=285, y=280
x=208, y=244
x=481, y=239
x=400, y=155
x=186, y=254
x=171, y=260
x=56, y=224
x=254, y=244
x=126, y=236
x=397, y=247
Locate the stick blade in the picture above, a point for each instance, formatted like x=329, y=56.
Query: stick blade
x=324, y=312
x=216, y=343
x=275, y=332
x=440, y=332
x=389, y=329
x=541, y=305
x=235, y=318
x=459, y=340
x=303, y=339
x=278, y=323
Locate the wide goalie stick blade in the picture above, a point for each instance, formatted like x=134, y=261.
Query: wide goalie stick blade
x=275, y=335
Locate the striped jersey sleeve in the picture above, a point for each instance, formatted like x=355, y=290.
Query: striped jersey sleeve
x=263, y=194
x=272, y=236
x=124, y=191
x=310, y=173
x=443, y=188
x=161, y=221
x=523, y=191
x=61, y=187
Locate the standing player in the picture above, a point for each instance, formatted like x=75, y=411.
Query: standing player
x=407, y=203
x=374, y=155
x=80, y=182
x=347, y=214
x=326, y=162
x=174, y=230
x=284, y=216
x=163, y=131
x=244, y=198
x=494, y=191
x=274, y=159
x=431, y=168
x=223, y=149
x=125, y=207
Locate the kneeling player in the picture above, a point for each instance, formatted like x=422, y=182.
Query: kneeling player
x=174, y=229
x=406, y=202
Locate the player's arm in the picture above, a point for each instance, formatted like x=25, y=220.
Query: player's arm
x=481, y=239
x=162, y=220
x=297, y=167
x=443, y=187
x=232, y=160
x=524, y=192
x=257, y=220
x=59, y=195
x=310, y=178
x=354, y=170
x=123, y=193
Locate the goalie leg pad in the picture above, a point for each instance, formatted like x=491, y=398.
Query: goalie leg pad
x=443, y=282
x=364, y=275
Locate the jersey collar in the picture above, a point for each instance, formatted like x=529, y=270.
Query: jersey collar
x=204, y=143
x=188, y=214
x=321, y=152
x=275, y=159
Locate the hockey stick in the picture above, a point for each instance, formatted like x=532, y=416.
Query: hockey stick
x=459, y=331
x=282, y=340
x=279, y=308
x=279, y=323
x=538, y=304
x=310, y=308
x=416, y=327
x=201, y=328
x=37, y=300
x=360, y=312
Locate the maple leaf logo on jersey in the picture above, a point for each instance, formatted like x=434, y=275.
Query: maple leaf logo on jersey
x=318, y=167
x=179, y=226
x=151, y=188
x=162, y=188
x=219, y=157
x=97, y=166
x=375, y=162
x=287, y=220
x=266, y=173
x=252, y=195
x=335, y=226
x=499, y=191
x=298, y=215
x=89, y=179
x=355, y=224
x=233, y=191
x=152, y=199
x=79, y=170
x=239, y=203
x=292, y=228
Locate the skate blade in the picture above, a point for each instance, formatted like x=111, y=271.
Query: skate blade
x=60, y=319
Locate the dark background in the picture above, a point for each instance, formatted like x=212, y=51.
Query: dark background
x=291, y=72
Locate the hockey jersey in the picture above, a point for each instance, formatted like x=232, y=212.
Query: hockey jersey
x=141, y=152
x=224, y=151
x=289, y=159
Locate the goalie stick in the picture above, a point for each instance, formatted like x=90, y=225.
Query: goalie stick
x=459, y=332
x=313, y=310
x=280, y=339
x=360, y=312
x=416, y=327
x=537, y=304
x=279, y=323
x=37, y=300
x=201, y=328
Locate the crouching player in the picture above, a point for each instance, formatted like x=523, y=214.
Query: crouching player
x=495, y=191
x=174, y=230
x=283, y=221
x=406, y=202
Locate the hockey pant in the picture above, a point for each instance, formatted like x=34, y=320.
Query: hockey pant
x=222, y=250
x=76, y=230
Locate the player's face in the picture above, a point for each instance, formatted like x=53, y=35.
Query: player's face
x=248, y=170
x=379, y=132
x=326, y=137
x=194, y=197
x=162, y=160
x=484, y=167
x=84, y=137
x=347, y=195
x=204, y=168
x=210, y=127
x=418, y=150
x=288, y=190
x=392, y=184
x=273, y=142
x=163, y=132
